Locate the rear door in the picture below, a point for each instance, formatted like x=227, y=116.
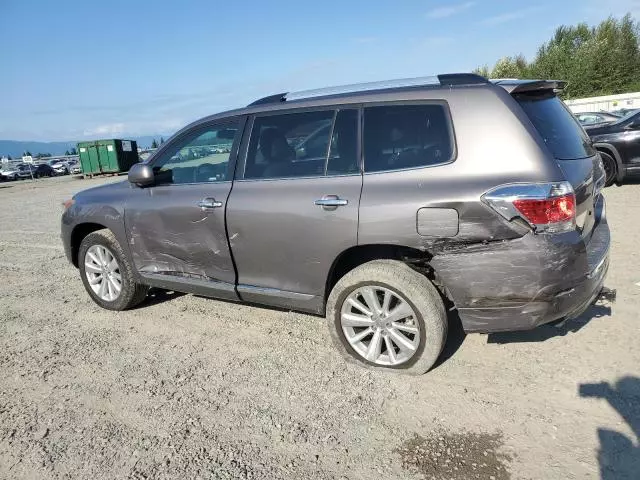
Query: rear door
x=294, y=205
x=176, y=228
x=571, y=147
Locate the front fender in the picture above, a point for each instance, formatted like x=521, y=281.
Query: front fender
x=102, y=207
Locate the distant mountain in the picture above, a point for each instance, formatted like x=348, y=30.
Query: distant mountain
x=16, y=148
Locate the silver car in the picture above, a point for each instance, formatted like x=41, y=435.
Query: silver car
x=380, y=206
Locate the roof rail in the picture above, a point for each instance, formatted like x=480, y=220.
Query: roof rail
x=278, y=97
x=449, y=79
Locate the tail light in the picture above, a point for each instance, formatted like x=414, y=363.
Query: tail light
x=546, y=207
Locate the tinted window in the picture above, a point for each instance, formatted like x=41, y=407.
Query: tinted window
x=406, y=136
x=289, y=145
x=202, y=156
x=557, y=126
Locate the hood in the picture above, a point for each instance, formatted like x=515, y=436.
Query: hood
x=109, y=188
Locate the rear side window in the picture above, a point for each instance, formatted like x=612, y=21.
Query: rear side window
x=559, y=129
x=305, y=144
x=406, y=136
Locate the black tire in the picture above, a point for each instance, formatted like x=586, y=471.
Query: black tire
x=610, y=168
x=416, y=289
x=132, y=293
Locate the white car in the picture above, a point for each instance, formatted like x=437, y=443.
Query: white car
x=75, y=168
x=9, y=173
x=61, y=168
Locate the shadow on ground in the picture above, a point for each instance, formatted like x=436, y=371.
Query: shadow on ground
x=157, y=296
x=545, y=332
x=618, y=455
x=455, y=338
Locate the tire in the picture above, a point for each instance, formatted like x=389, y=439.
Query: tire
x=131, y=293
x=610, y=168
x=414, y=289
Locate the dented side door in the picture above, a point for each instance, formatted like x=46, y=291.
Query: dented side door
x=178, y=230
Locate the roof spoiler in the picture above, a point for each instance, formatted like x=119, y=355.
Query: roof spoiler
x=529, y=86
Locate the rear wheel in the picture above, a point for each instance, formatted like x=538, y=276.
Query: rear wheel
x=385, y=315
x=107, y=274
x=610, y=168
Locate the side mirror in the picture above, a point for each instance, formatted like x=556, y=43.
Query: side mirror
x=635, y=125
x=141, y=175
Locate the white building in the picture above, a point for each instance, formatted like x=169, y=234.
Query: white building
x=608, y=103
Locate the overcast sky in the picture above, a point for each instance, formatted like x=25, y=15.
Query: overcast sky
x=72, y=69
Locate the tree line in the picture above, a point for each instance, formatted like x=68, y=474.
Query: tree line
x=599, y=60
x=155, y=144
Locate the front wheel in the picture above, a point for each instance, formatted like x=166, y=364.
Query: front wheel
x=385, y=315
x=107, y=274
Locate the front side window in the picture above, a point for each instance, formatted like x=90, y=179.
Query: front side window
x=406, y=136
x=199, y=157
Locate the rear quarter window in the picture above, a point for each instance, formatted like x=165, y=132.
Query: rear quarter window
x=559, y=129
x=406, y=136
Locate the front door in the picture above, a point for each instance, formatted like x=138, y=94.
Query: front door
x=176, y=228
x=294, y=205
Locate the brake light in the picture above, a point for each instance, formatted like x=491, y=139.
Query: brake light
x=552, y=210
x=546, y=207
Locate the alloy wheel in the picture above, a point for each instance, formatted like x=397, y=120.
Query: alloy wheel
x=103, y=273
x=380, y=325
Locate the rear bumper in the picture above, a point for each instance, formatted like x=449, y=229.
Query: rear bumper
x=520, y=284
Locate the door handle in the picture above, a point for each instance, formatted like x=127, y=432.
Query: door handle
x=209, y=203
x=331, y=202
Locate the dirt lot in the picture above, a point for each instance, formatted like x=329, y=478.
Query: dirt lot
x=185, y=387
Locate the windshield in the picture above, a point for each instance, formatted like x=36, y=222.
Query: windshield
x=559, y=129
x=628, y=116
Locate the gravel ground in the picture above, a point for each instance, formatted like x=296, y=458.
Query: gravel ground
x=186, y=387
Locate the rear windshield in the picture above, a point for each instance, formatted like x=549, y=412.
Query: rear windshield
x=558, y=127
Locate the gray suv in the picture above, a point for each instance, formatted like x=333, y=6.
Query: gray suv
x=380, y=205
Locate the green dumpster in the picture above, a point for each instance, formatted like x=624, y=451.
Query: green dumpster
x=107, y=156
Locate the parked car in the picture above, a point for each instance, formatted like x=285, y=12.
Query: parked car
x=415, y=204
x=619, y=147
x=43, y=170
x=74, y=168
x=595, y=118
x=25, y=170
x=9, y=173
x=60, y=167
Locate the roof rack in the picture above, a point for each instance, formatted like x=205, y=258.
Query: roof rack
x=450, y=79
